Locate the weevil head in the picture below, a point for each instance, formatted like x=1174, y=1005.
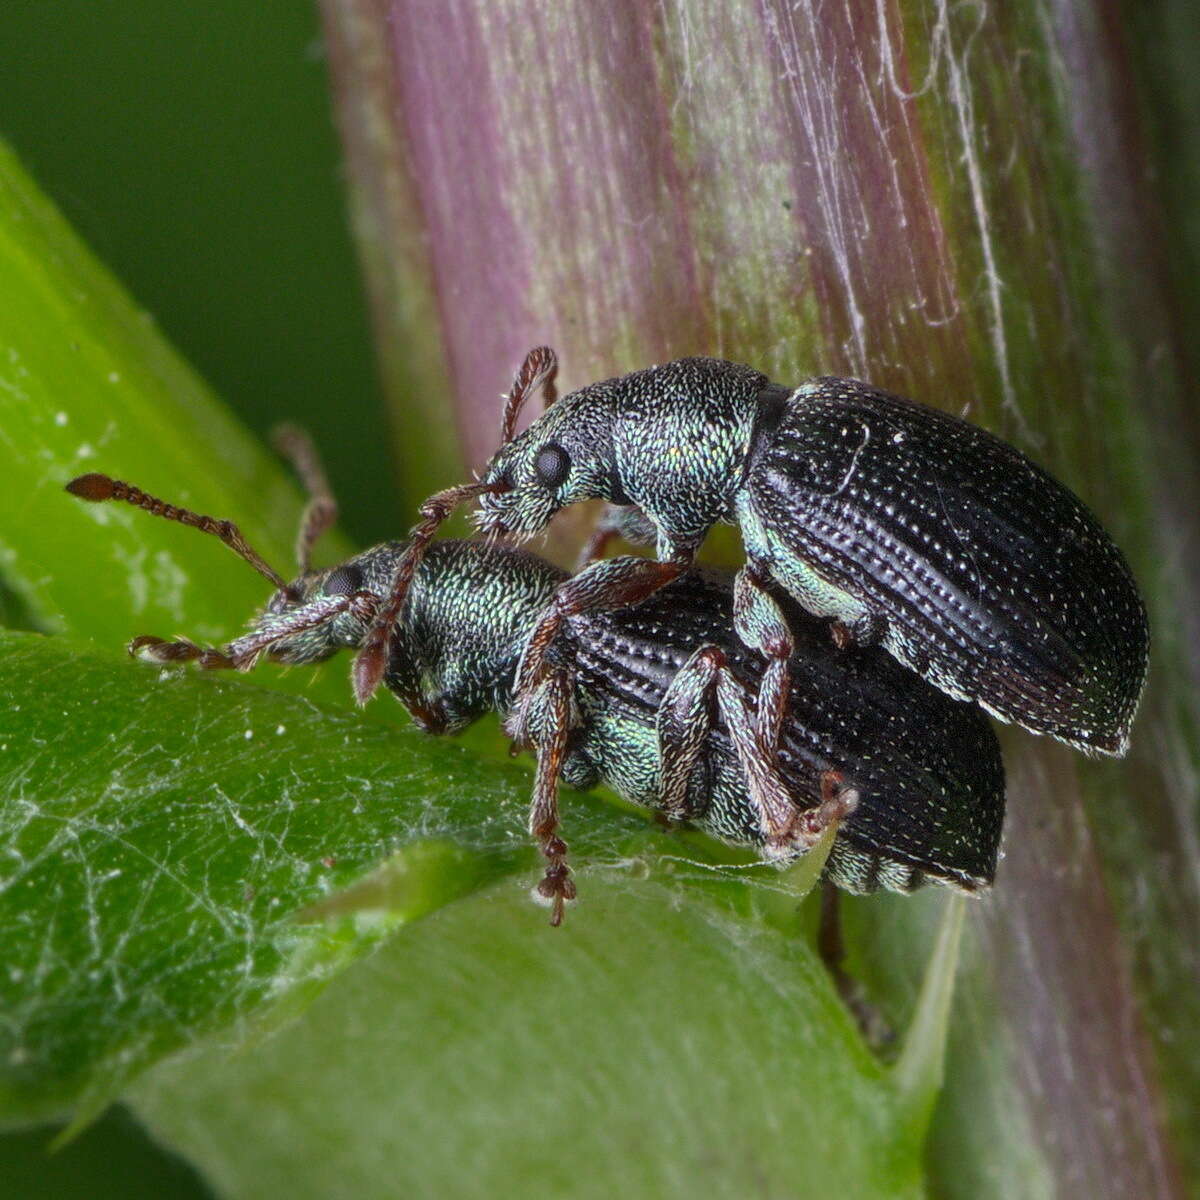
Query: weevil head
x=564, y=456
x=324, y=611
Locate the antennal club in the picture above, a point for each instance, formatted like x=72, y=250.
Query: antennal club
x=538, y=370
x=95, y=488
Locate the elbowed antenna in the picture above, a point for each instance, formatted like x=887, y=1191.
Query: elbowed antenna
x=96, y=488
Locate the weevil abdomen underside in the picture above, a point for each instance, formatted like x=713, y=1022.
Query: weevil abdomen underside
x=927, y=767
x=993, y=580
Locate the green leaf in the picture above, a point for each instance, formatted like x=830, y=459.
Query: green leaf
x=160, y=832
x=653, y=1046
x=174, y=852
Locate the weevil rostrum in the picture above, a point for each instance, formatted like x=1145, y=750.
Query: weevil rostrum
x=908, y=527
x=654, y=700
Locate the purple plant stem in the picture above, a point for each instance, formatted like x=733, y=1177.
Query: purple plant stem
x=949, y=201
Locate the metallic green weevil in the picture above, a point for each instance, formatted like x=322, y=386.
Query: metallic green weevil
x=904, y=525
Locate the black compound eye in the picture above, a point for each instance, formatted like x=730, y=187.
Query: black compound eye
x=343, y=581
x=552, y=465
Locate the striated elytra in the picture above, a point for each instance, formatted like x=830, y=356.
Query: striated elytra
x=969, y=563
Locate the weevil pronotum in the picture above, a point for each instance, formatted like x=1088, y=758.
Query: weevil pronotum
x=905, y=525
x=653, y=700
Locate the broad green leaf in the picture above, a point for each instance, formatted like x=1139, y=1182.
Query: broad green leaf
x=159, y=833
x=651, y=1047
x=187, y=862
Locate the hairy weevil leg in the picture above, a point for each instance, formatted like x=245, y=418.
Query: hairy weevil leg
x=370, y=663
x=551, y=722
x=761, y=625
x=609, y=584
x=617, y=520
x=787, y=829
x=683, y=723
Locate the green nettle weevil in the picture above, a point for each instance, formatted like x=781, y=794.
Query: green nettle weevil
x=908, y=527
x=654, y=700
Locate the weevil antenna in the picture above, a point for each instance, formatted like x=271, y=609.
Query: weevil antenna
x=243, y=653
x=95, y=488
x=372, y=659
x=538, y=370
x=322, y=509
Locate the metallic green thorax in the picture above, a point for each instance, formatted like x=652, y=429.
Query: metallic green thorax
x=672, y=440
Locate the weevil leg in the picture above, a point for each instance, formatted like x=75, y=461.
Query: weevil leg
x=760, y=623
x=551, y=722
x=787, y=828
x=683, y=723
x=321, y=511
x=371, y=661
x=831, y=946
x=609, y=584
x=617, y=520
x=778, y=813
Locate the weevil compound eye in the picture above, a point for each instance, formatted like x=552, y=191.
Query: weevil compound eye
x=552, y=465
x=343, y=581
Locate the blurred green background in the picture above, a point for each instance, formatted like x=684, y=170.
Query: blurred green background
x=192, y=145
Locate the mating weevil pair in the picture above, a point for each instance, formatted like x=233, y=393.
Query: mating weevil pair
x=653, y=700
x=910, y=528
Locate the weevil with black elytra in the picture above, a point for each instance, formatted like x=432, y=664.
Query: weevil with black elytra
x=906, y=526
x=654, y=700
